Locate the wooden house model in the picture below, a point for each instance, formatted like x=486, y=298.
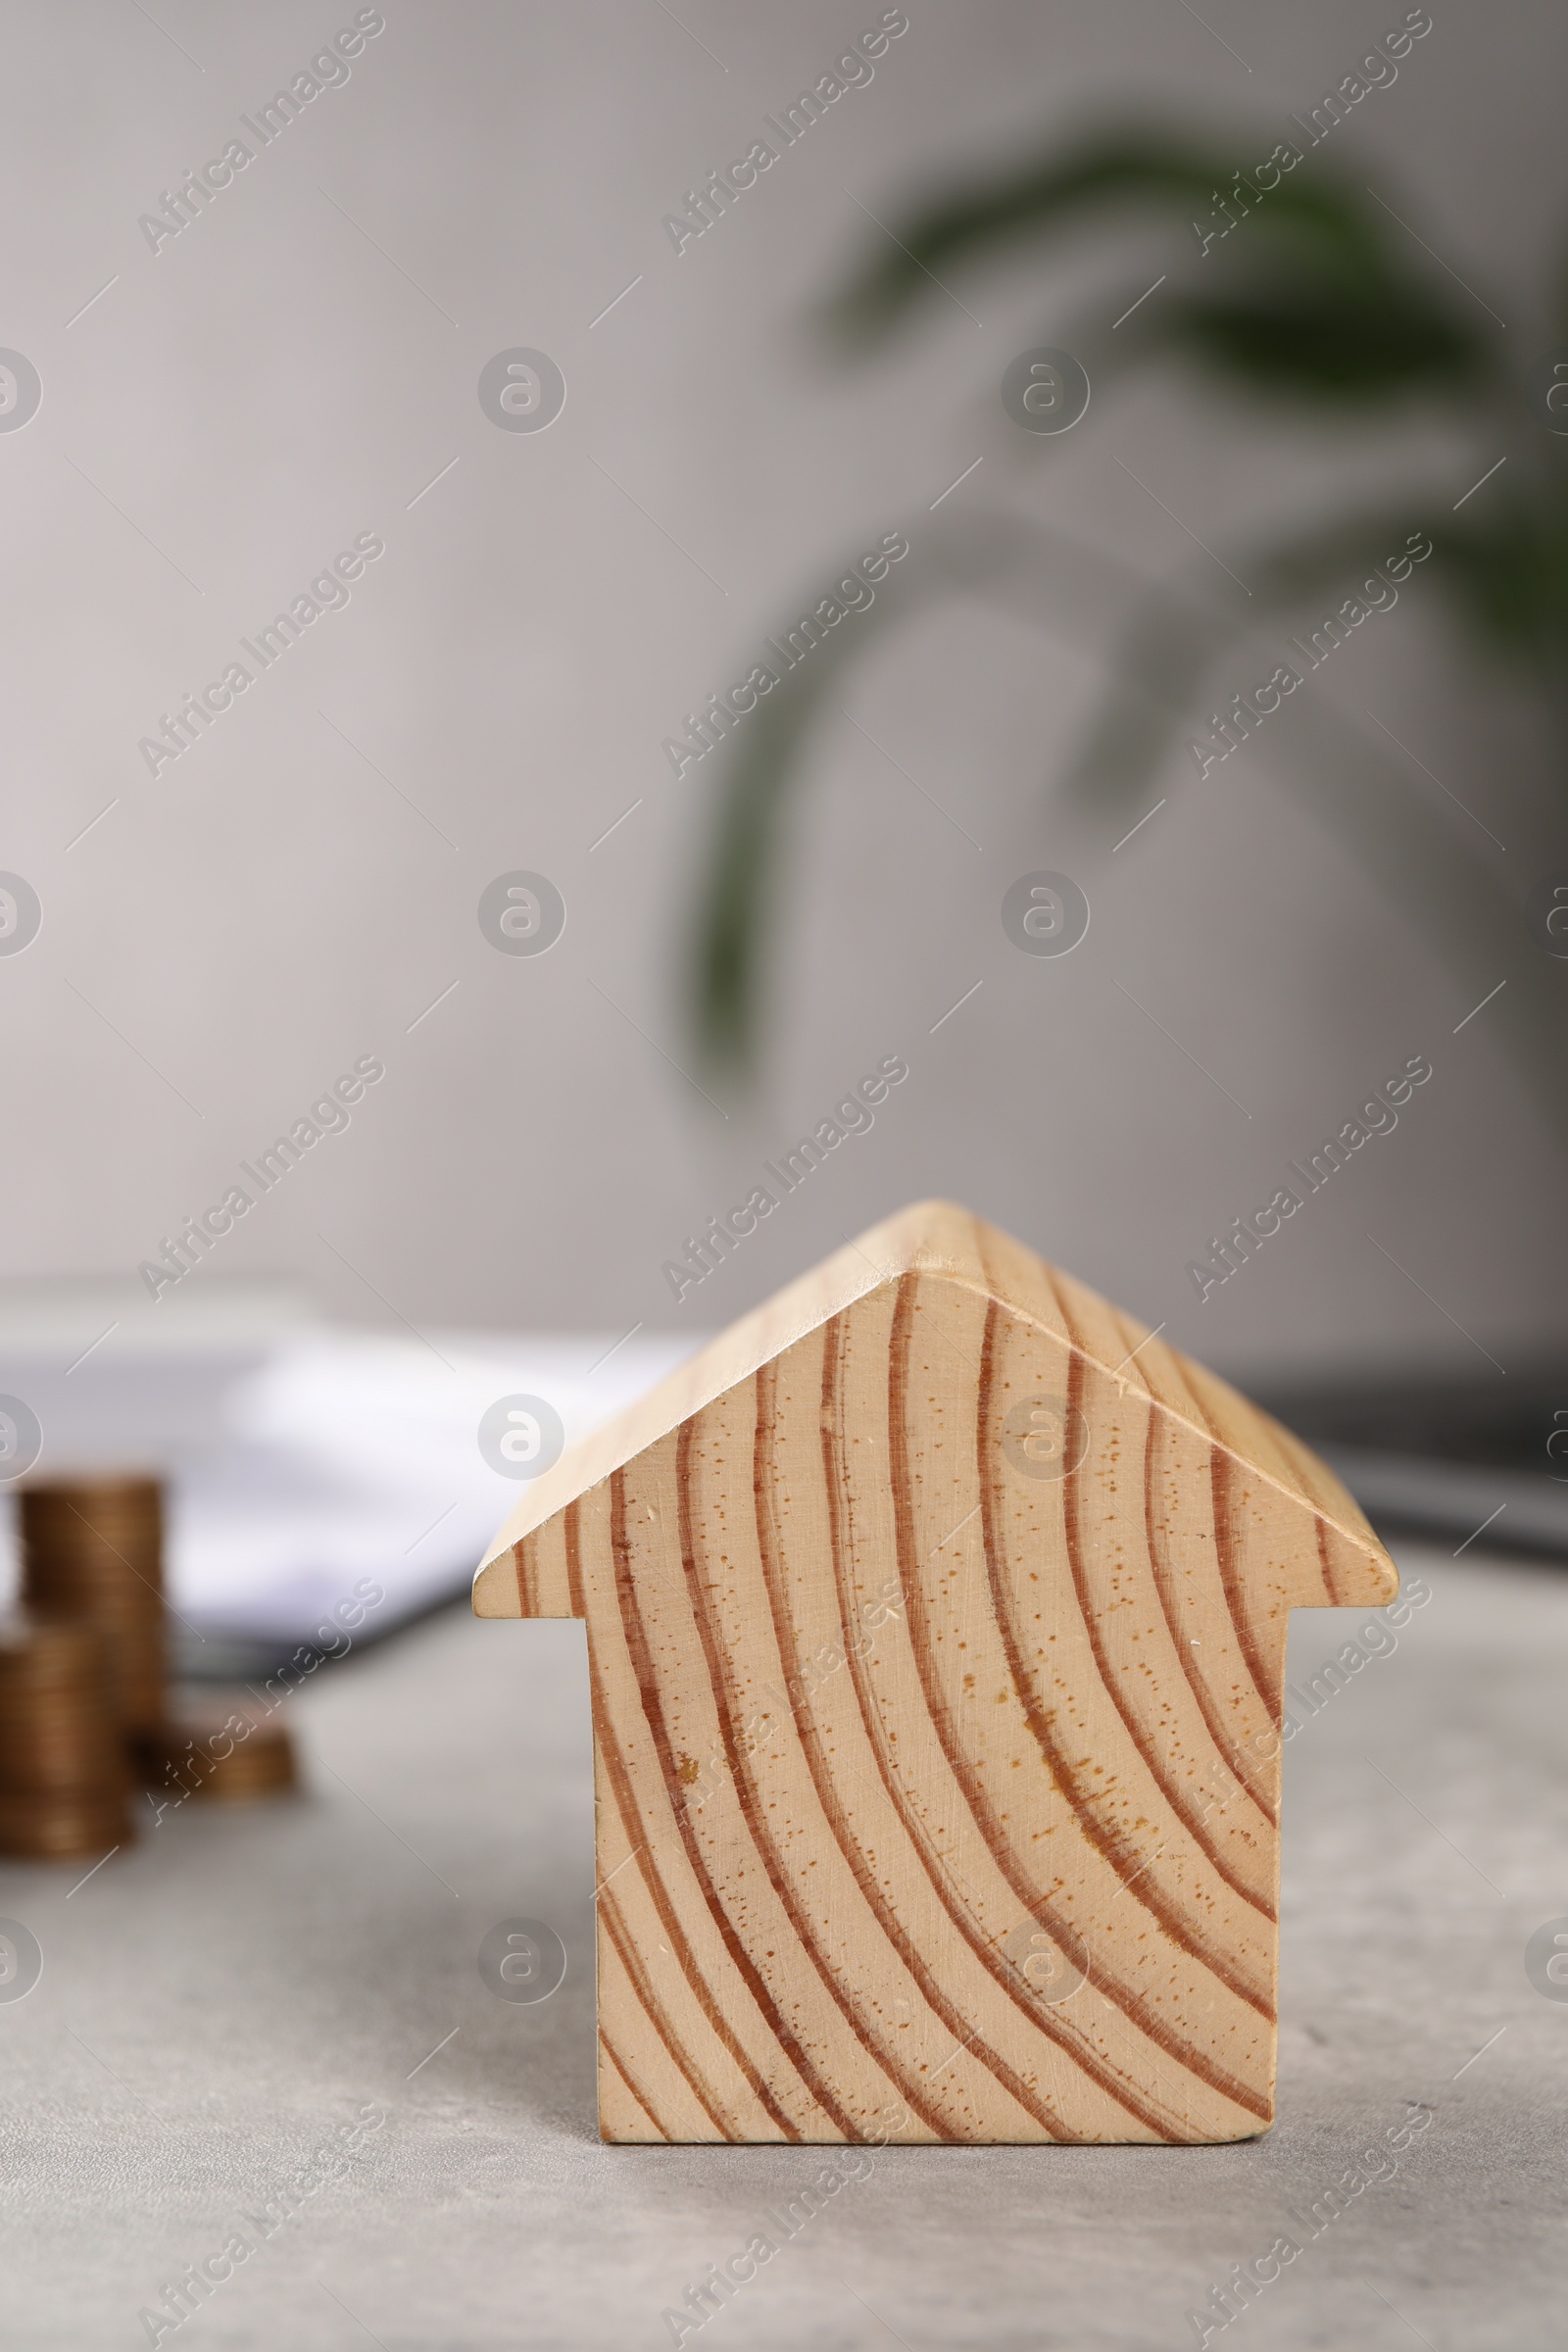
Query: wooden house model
x=935, y=1628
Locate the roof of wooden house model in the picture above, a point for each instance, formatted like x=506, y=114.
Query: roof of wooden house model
x=935, y=1238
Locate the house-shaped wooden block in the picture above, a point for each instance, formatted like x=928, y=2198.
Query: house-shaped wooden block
x=936, y=1626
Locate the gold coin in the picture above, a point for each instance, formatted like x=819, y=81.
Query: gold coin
x=220, y=1745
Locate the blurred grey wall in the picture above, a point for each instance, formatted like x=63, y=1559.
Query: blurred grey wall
x=297, y=368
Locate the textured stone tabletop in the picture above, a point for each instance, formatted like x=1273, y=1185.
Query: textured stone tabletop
x=268, y=2026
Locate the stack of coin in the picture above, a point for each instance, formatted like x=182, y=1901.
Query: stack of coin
x=220, y=1744
x=92, y=1550
x=63, y=1779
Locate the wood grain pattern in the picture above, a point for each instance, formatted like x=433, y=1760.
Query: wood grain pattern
x=936, y=1629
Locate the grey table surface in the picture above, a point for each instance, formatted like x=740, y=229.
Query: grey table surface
x=219, y=2003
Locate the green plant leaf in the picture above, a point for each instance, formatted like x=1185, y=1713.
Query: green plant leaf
x=1324, y=341
x=1113, y=169
x=1306, y=295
